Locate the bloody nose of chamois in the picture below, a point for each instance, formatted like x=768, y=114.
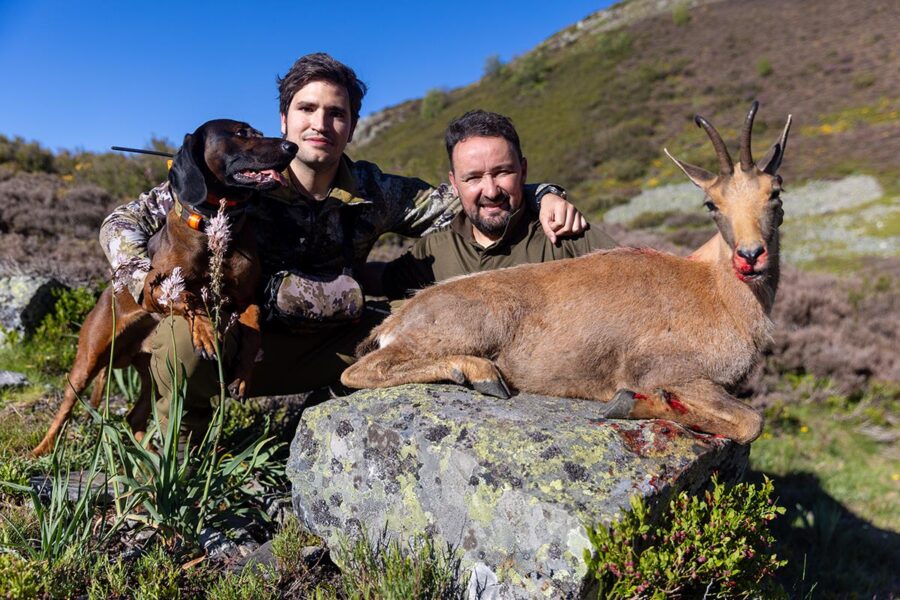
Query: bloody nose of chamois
x=751, y=257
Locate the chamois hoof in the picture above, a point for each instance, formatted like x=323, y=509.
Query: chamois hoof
x=620, y=406
x=492, y=387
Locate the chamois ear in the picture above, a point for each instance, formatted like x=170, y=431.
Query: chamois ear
x=772, y=160
x=185, y=175
x=701, y=177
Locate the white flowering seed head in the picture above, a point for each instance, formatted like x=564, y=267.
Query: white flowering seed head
x=218, y=233
x=171, y=287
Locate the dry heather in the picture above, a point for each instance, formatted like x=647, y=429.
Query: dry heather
x=49, y=227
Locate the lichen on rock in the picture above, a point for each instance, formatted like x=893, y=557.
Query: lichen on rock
x=510, y=483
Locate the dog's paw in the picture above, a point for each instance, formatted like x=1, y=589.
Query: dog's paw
x=203, y=336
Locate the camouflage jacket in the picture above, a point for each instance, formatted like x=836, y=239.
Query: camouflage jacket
x=295, y=232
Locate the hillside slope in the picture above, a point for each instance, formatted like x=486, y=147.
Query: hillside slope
x=595, y=108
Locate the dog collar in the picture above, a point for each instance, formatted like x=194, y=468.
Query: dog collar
x=197, y=217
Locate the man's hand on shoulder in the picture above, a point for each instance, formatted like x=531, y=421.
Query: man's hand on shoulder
x=559, y=218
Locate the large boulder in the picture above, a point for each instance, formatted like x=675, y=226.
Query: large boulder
x=511, y=483
x=24, y=302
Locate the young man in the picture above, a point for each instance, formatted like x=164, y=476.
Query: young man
x=495, y=229
x=313, y=237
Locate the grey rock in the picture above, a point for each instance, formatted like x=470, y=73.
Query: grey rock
x=264, y=556
x=236, y=544
x=11, y=379
x=76, y=486
x=510, y=483
x=24, y=302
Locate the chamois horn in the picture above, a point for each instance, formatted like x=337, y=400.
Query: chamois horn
x=746, y=152
x=771, y=162
x=726, y=166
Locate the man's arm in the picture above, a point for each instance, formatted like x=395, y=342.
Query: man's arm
x=415, y=208
x=125, y=232
x=399, y=278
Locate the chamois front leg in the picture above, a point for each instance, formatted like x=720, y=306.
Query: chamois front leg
x=393, y=365
x=250, y=342
x=698, y=404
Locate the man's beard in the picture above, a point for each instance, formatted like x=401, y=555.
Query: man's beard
x=492, y=227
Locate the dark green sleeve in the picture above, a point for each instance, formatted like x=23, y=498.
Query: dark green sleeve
x=410, y=272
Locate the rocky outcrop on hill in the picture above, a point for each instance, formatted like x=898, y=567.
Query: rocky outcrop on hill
x=511, y=483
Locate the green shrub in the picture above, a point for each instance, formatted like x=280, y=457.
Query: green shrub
x=19, y=579
x=864, y=80
x=390, y=570
x=288, y=544
x=717, y=545
x=156, y=576
x=531, y=70
x=249, y=584
x=52, y=346
x=493, y=65
x=433, y=102
x=26, y=156
x=764, y=67
x=614, y=44
x=681, y=15
x=109, y=579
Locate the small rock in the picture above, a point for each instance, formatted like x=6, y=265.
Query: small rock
x=11, y=379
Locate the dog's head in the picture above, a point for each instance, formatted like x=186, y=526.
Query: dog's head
x=228, y=159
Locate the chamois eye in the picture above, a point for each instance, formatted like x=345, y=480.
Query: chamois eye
x=710, y=206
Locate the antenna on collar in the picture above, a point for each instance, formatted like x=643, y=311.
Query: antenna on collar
x=139, y=151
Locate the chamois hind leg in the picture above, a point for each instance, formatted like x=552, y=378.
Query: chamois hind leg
x=698, y=404
x=391, y=365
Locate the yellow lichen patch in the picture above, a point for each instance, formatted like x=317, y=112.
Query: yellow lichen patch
x=482, y=503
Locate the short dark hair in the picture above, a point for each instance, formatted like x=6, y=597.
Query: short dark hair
x=480, y=123
x=320, y=67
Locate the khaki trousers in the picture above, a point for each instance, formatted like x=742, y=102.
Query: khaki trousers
x=291, y=364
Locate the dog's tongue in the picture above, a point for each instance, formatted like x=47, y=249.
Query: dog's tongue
x=275, y=175
x=264, y=175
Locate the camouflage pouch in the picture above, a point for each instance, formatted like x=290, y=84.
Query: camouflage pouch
x=302, y=302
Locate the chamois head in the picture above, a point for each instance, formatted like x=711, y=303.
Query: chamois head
x=744, y=201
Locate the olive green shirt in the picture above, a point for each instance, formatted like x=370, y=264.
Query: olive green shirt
x=453, y=251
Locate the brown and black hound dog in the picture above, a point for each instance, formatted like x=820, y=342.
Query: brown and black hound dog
x=222, y=160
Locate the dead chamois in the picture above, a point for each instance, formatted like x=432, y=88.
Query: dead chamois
x=650, y=334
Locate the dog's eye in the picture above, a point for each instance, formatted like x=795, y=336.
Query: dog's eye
x=241, y=133
x=710, y=206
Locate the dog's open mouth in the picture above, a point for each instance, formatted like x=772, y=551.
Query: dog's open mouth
x=257, y=178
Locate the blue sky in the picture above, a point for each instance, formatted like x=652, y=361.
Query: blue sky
x=94, y=74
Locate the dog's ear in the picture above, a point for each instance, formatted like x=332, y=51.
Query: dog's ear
x=185, y=175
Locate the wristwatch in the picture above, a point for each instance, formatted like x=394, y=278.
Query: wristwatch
x=550, y=188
